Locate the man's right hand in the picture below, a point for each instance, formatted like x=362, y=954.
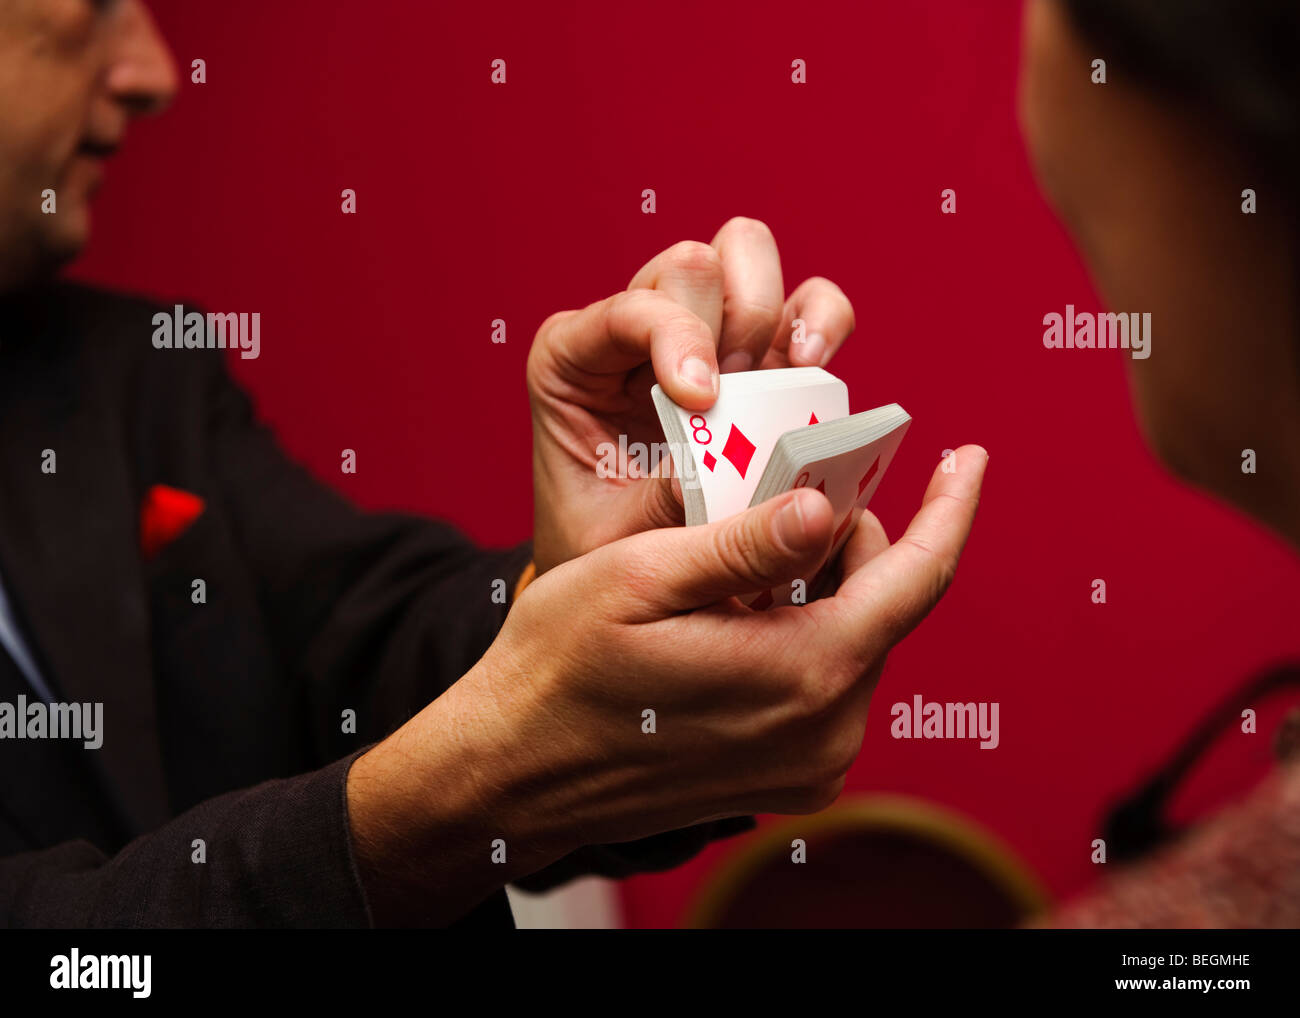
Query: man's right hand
x=544, y=744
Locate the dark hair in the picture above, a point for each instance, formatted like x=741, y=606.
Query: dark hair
x=1239, y=60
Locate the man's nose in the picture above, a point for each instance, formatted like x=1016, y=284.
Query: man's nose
x=141, y=72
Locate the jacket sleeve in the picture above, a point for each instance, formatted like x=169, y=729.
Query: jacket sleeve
x=370, y=611
x=276, y=855
x=649, y=855
x=387, y=610
x=378, y=612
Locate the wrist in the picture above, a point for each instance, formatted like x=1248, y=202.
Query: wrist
x=446, y=810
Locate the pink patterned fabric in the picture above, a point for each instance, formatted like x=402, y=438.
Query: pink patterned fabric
x=1240, y=869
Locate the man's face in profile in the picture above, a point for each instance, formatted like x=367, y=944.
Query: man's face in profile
x=72, y=75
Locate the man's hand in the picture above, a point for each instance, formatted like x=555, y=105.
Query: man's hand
x=545, y=744
x=690, y=309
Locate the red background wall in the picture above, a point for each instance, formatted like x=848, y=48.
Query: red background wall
x=479, y=201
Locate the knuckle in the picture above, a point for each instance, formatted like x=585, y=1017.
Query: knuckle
x=740, y=551
x=641, y=307
x=942, y=565
x=752, y=318
x=628, y=303
x=694, y=258
x=785, y=692
x=812, y=693
x=544, y=338
x=825, y=678
x=682, y=320
x=745, y=227
x=898, y=616
x=639, y=573
x=552, y=322
x=532, y=366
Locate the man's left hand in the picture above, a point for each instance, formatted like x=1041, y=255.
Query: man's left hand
x=690, y=309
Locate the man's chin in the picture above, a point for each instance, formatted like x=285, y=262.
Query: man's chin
x=53, y=246
x=68, y=232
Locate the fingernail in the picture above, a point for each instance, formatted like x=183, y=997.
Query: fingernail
x=810, y=351
x=789, y=523
x=696, y=373
x=738, y=360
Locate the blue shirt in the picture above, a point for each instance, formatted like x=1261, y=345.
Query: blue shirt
x=12, y=641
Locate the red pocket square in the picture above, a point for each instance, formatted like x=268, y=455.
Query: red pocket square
x=165, y=515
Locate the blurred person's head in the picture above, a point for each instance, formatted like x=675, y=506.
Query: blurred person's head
x=72, y=74
x=1147, y=171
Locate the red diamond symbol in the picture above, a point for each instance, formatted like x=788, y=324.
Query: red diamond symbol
x=738, y=449
x=866, y=478
x=764, y=600
x=710, y=460
x=844, y=525
x=812, y=419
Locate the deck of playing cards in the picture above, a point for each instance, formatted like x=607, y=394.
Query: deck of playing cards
x=772, y=431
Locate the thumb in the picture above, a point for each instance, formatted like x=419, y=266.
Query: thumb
x=783, y=539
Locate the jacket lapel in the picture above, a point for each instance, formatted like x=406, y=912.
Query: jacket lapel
x=46, y=792
x=69, y=545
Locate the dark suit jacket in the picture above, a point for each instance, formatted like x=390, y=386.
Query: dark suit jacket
x=223, y=720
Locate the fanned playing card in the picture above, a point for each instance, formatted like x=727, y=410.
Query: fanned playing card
x=720, y=454
x=772, y=431
x=844, y=460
